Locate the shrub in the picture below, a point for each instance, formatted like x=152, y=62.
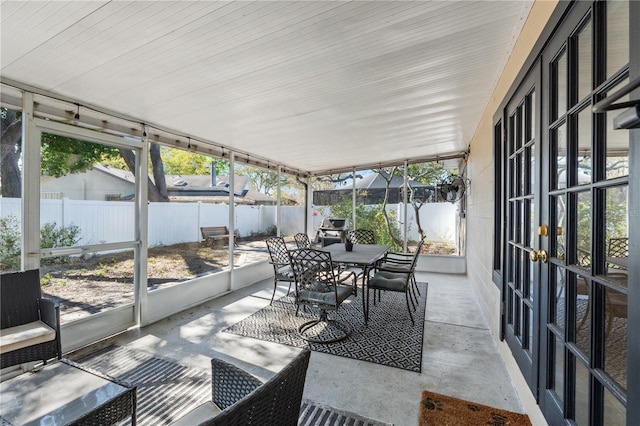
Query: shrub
x=52, y=236
x=10, y=242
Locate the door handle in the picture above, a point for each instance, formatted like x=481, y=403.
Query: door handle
x=534, y=256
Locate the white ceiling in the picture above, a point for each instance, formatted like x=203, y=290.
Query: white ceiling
x=313, y=85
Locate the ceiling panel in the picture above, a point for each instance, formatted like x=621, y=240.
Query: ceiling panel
x=309, y=85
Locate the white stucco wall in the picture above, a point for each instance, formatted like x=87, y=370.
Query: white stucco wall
x=480, y=201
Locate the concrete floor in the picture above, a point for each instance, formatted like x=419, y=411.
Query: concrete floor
x=459, y=356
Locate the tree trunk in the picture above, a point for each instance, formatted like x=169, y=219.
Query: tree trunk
x=154, y=194
x=416, y=209
x=387, y=221
x=10, y=175
x=158, y=172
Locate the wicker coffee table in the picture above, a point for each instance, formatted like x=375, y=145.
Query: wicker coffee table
x=66, y=393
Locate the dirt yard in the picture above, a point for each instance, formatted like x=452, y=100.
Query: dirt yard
x=90, y=284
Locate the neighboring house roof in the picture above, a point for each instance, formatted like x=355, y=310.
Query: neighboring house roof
x=203, y=183
x=377, y=181
x=117, y=173
x=198, y=187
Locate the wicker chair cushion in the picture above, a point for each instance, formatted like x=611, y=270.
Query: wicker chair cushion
x=21, y=336
x=198, y=415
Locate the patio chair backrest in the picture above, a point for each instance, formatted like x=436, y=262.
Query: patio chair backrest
x=315, y=277
x=302, y=240
x=618, y=247
x=20, y=293
x=361, y=236
x=278, y=251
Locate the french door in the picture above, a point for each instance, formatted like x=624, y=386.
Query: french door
x=521, y=289
x=568, y=221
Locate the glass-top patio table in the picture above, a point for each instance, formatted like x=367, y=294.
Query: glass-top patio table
x=68, y=393
x=364, y=256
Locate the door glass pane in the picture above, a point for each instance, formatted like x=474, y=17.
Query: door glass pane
x=617, y=35
x=559, y=294
x=617, y=232
x=614, y=411
x=531, y=281
x=531, y=160
x=582, y=394
x=560, y=77
x=560, y=165
x=528, y=326
x=584, y=147
x=584, y=61
x=532, y=115
x=557, y=384
x=583, y=312
x=512, y=254
x=522, y=174
x=521, y=222
x=617, y=154
x=615, y=351
x=520, y=128
x=513, y=190
x=583, y=230
x=560, y=226
x=533, y=229
x=510, y=298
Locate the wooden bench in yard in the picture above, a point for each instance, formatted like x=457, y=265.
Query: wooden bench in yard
x=213, y=234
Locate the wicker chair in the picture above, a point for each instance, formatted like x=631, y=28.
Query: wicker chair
x=240, y=399
x=281, y=262
x=30, y=323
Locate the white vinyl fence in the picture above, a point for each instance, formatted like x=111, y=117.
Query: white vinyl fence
x=174, y=222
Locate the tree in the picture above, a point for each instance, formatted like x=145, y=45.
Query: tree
x=180, y=162
x=387, y=174
x=10, y=149
x=62, y=155
x=261, y=179
x=428, y=173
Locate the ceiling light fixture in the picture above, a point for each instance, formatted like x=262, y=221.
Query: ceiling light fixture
x=189, y=143
x=77, y=116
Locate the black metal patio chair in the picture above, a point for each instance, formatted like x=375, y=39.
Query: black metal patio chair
x=319, y=285
x=281, y=262
x=394, y=277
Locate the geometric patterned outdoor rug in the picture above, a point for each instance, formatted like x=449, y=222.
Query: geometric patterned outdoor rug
x=167, y=390
x=389, y=339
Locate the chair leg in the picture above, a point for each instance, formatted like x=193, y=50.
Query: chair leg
x=275, y=287
x=415, y=284
x=414, y=303
x=406, y=294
